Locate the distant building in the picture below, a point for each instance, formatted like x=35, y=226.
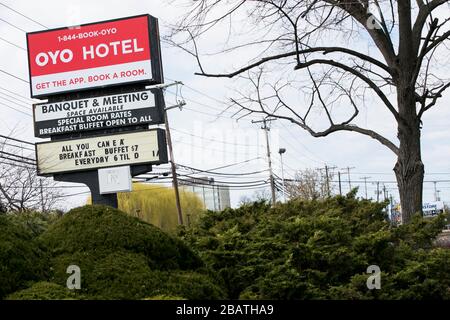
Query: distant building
x=214, y=196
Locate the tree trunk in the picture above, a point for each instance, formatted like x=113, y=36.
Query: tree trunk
x=409, y=169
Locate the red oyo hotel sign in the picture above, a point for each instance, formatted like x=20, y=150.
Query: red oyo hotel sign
x=94, y=55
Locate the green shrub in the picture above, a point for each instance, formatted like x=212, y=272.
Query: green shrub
x=104, y=230
x=117, y=275
x=193, y=286
x=125, y=275
x=121, y=257
x=22, y=258
x=321, y=249
x=43, y=291
x=34, y=221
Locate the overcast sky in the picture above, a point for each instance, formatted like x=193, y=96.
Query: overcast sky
x=203, y=140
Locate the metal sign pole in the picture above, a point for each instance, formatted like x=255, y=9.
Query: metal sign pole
x=174, y=171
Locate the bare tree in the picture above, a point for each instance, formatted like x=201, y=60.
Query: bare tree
x=309, y=184
x=320, y=39
x=262, y=195
x=20, y=187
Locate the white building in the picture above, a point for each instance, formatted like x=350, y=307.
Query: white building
x=214, y=196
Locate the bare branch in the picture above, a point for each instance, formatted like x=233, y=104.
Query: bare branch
x=324, y=50
x=424, y=12
x=371, y=84
x=360, y=13
x=331, y=129
x=435, y=97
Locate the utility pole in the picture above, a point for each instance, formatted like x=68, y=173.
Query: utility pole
x=266, y=132
x=174, y=170
x=348, y=176
x=172, y=159
x=365, y=184
x=339, y=178
x=281, y=151
x=327, y=178
x=378, y=191
x=384, y=192
x=42, y=196
x=391, y=201
x=435, y=191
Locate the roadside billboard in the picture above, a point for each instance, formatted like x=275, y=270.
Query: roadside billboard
x=103, y=151
x=432, y=209
x=94, y=55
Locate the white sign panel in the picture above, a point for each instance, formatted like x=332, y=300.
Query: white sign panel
x=113, y=180
x=143, y=147
x=432, y=209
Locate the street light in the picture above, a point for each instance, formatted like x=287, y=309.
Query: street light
x=281, y=151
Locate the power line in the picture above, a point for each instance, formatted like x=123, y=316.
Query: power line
x=16, y=160
x=217, y=168
x=72, y=195
x=17, y=165
x=16, y=146
x=260, y=186
x=210, y=149
x=13, y=25
x=27, y=114
x=16, y=103
x=13, y=44
x=242, y=175
x=199, y=92
x=224, y=175
x=301, y=144
x=15, y=93
x=17, y=140
x=207, y=114
x=221, y=111
x=13, y=155
x=214, y=140
x=24, y=103
x=47, y=187
x=236, y=175
x=201, y=180
x=19, y=13
x=295, y=152
x=206, y=185
x=11, y=75
x=218, y=182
